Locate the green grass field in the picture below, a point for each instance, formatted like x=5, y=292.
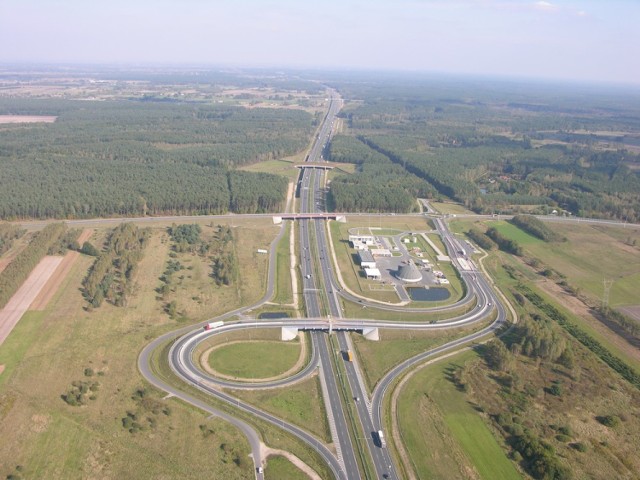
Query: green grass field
x=300, y=404
x=257, y=359
x=284, y=293
x=279, y=468
x=396, y=346
x=591, y=254
x=444, y=436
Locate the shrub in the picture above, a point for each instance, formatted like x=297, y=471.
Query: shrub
x=611, y=421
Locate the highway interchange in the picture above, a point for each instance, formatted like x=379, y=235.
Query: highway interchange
x=356, y=443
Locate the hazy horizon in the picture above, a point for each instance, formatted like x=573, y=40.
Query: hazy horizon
x=566, y=41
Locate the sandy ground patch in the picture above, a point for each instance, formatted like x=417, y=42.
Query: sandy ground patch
x=27, y=119
x=85, y=235
x=19, y=303
x=51, y=287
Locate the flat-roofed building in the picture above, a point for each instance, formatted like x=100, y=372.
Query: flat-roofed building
x=366, y=259
x=373, y=274
x=362, y=239
x=380, y=252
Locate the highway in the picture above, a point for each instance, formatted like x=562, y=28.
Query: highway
x=322, y=296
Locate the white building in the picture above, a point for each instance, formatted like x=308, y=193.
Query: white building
x=373, y=274
x=362, y=239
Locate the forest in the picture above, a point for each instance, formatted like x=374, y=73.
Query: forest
x=503, y=148
x=121, y=157
x=378, y=186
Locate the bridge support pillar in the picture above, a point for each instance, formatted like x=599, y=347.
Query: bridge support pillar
x=371, y=334
x=277, y=220
x=288, y=333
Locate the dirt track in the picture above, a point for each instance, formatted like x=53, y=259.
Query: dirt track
x=51, y=287
x=27, y=119
x=19, y=303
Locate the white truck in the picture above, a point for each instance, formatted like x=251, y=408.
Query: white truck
x=381, y=439
x=212, y=325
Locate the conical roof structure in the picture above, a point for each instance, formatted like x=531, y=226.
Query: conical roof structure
x=409, y=273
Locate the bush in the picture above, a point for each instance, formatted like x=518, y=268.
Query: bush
x=580, y=446
x=611, y=421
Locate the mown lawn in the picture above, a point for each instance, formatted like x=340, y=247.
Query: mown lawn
x=444, y=436
x=258, y=359
x=279, y=468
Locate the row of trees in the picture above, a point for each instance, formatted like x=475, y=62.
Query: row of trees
x=111, y=276
x=536, y=227
x=504, y=243
x=8, y=234
x=14, y=275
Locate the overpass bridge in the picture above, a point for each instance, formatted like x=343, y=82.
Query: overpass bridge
x=309, y=216
x=320, y=165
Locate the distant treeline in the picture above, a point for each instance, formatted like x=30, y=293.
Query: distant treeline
x=378, y=185
x=131, y=158
x=110, y=277
x=14, y=275
x=473, y=144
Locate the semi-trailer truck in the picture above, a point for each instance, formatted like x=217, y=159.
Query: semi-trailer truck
x=381, y=439
x=212, y=325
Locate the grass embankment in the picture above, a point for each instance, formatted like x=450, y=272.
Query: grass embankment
x=50, y=350
x=442, y=432
x=257, y=359
x=449, y=208
x=395, y=346
x=279, y=468
x=357, y=310
x=283, y=293
x=300, y=404
x=283, y=167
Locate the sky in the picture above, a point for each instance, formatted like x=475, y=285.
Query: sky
x=589, y=41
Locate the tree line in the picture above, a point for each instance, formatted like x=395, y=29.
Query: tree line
x=111, y=276
x=14, y=275
x=8, y=234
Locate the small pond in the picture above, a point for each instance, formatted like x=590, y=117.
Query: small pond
x=421, y=294
x=273, y=315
